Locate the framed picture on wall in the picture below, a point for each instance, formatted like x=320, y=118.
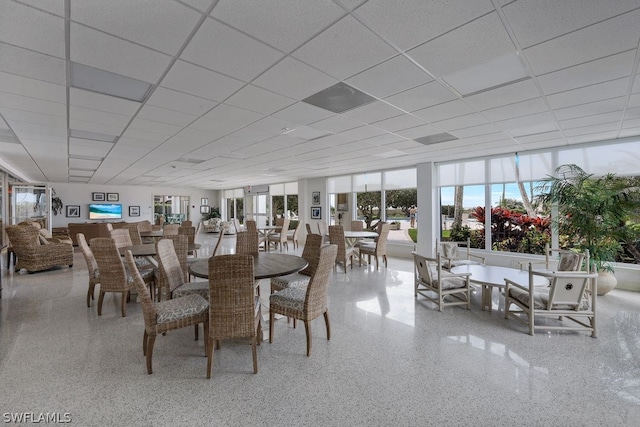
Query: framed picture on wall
x=134, y=210
x=316, y=212
x=315, y=198
x=113, y=197
x=97, y=197
x=204, y=201
x=73, y=211
x=205, y=209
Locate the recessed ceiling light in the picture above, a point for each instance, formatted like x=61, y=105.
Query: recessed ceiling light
x=436, y=138
x=108, y=83
x=339, y=98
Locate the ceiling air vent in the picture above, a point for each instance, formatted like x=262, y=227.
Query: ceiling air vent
x=339, y=98
x=436, y=138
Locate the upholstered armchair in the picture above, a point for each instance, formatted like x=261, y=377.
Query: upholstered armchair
x=36, y=253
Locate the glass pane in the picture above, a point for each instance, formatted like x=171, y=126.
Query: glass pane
x=369, y=208
x=401, y=213
x=465, y=219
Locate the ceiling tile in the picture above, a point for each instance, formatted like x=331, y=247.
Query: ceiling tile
x=96, y=116
x=116, y=55
x=373, y=112
x=45, y=35
x=34, y=105
x=294, y=79
x=444, y=111
x=614, y=116
x=344, y=49
x=591, y=93
x=384, y=16
x=263, y=20
x=24, y=86
x=85, y=147
x=141, y=22
x=375, y=81
x=225, y=50
x=398, y=123
x=259, y=100
x=522, y=108
x=504, y=95
x=32, y=64
x=178, y=101
x=98, y=101
x=199, y=81
x=592, y=108
x=303, y=113
x=336, y=124
x=165, y=116
x=420, y=97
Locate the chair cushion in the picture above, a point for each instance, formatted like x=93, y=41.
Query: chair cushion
x=450, y=250
x=292, y=298
x=452, y=282
x=541, y=299
x=569, y=262
x=463, y=262
x=180, y=308
x=199, y=288
x=297, y=280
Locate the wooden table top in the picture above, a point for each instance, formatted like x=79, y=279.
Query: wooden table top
x=149, y=249
x=265, y=265
x=154, y=233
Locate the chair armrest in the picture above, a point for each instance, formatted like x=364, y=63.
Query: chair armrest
x=477, y=257
x=511, y=284
x=449, y=274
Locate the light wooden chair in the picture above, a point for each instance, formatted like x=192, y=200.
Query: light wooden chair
x=306, y=303
x=336, y=237
x=571, y=295
x=292, y=236
x=190, y=310
x=279, y=238
x=452, y=256
x=92, y=266
x=434, y=283
x=234, y=308
x=560, y=260
x=376, y=249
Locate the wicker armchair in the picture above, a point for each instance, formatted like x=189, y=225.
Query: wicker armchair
x=306, y=303
x=377, y=249
x=234, y=307
x=92, y=266
x=113, y=275
x=336, y=237
x=37, y=254
x=434, y=283
x=167, y=315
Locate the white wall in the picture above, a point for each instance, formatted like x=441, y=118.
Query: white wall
x=80, y=194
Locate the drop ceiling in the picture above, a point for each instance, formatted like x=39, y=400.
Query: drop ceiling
x=211, y=94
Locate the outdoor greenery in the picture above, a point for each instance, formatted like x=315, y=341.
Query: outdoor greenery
x=213, y=213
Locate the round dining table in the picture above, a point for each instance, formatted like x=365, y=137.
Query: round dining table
x=265, y=265
x=149, y=249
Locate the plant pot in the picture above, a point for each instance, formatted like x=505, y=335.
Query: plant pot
x=606, y=282
x=395, y=226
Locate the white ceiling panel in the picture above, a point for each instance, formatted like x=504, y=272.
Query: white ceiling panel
x=199, y=81
x=32, y=64
x=344, y=49
x=593, y=42
x=304, y=19
x=101, y=117
x=303, y=113
x=85, y=147
x=116, y=55
x=461, y=122
x=46, y=33
x=518, y=109
x=419, y=131
x=83, y=164
x=141, y=22
x=163, y=115
x=98, y=101
x=420, y=97
x=541, y=128
x=376, y=82
x=24, y=86
x=442, y=111
x=34, y=105
x=398, y=123
x=588, y=130
x=214, y=127
x=373, y=112
x=259, y=100
x=614, y=116
x=590, y=109
x=294, y=79
x=229, y=114
x=475, y=43
x=13, y=116
x=588, y=94
x=504, y=95
x=336, y=124
x=181, y=102
x=162, y=130
x=216, y=46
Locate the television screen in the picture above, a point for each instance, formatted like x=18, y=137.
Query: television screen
x=104, y=211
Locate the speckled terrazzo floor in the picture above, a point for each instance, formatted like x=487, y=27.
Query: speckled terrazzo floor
x=392, y=361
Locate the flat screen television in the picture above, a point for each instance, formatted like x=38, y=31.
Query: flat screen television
x=105, y=211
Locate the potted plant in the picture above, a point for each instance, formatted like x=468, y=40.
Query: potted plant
x=592, y=215
x=395, y=225
x=56, y=203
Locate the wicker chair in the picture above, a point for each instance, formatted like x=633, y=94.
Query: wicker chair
x=180, y=248
x=122, y=238
x=169, y=263
x=292, y=236
x=170, y=229
x=431, y=278
x=251, y=225
x=34, y=253
x=336, y=237
x=308, y=227
x=190, y=232
x=247, y=243
x=92, y=266
x=167, y=315
x=113, y=275
x=309, y=302
x=279, y=238
x=377, y=249
x=310, y=253
x=234, y=307
x=186, y=223
x=357, y=226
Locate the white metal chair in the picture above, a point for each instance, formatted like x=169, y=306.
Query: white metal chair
x=431, y=278
x=560, y=260
x=453, y=257
x=570, y=295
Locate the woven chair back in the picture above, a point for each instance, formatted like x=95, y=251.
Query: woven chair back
x=113, y=276
x=311, y=253
x=316, y=299
x=247, y=243
x=92, y=265
x=121, y=237
x=169, y=264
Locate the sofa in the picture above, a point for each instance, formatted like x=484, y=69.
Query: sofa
x=89, y=229
x=216, y=225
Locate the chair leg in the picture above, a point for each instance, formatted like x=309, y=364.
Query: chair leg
x=210, y=351
x=123, y=304
x=196, y=328
x=152, y=341
x=254, y=350
x=307, y=328
x=90, y=295
x=206, y=335
x=327, y=324
x=145, y=339
x=385, y=260
x=271, y=316
x=100, y=300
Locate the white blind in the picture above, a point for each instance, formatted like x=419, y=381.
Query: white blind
x=276, y=189
x=370, y=181
x=339, y=184
x=398, y=179
x=291, y=187
x=461, y=173
x=233, y=194
x=533, y=167
x=621, y=159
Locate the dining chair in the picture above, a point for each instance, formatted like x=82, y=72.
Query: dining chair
x=236, y=225
x=453, y=257
x=336, y=237
x=279, y=238
x=310, y=253
x=306, y=303
x=292, y=236
x=92, y=266
x=167, y=315
x=190, y=232
x=308, y=227
x=377, y=248
x=234, y=310
x=431, y=278
x=113, y=275
x=251, y=225
x=556, y=259
x=170, y=229
x=247, y=242
x=186, y=223
x=180, y=247
x=357, y=226
x=571, y=295
x=134, y=233
x=169, y=263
